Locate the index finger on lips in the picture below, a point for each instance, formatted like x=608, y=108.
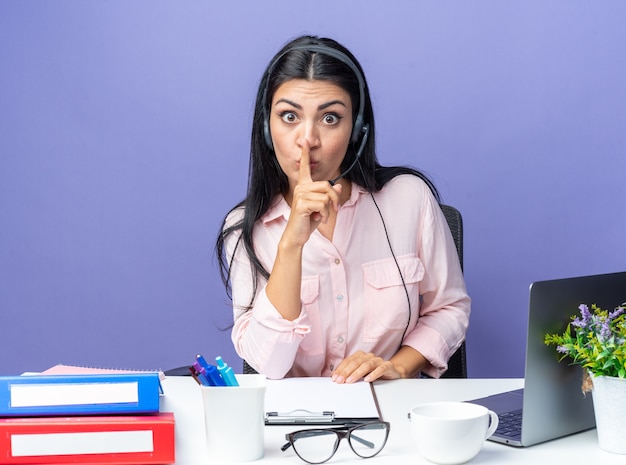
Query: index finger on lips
x=305, y=164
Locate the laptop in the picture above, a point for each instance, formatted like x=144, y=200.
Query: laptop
x=551, y=404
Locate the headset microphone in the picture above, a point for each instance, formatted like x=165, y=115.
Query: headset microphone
x=365, y=131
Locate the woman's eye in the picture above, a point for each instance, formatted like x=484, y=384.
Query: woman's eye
x=288, y=117
x=331, y=119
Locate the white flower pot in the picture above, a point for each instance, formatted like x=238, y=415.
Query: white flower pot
x=609, y=403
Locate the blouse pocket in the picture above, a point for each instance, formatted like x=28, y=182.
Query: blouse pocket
x=309, y=293
x=385, y=300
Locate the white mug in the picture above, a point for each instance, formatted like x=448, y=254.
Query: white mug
x=449, y=433
x=235, y=420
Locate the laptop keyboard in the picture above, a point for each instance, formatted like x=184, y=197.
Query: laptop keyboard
x=510, y=424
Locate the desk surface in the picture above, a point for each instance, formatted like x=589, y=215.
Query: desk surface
x=396, y=398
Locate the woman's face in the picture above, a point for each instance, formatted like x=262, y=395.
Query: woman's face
x=318, y=112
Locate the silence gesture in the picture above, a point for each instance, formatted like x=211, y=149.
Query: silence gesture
x=312, y=202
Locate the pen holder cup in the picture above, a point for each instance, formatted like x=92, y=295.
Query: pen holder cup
x=234, y=418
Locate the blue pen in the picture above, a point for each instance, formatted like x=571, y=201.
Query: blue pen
x=209, y=371
x=214, y=377
x=204, y=379
x=203, y=363
x=226, y=372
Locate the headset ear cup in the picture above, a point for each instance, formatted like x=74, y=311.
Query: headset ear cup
x=267, y=135
x=357, y=130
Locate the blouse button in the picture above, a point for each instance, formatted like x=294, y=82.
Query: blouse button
x=339, y=297
x=337, y=261
x=340, y=340
x=332, y=367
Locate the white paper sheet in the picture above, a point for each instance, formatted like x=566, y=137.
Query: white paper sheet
x=321, y=394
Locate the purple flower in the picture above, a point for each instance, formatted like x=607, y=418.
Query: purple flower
x=617, y=312
x=605, y=332
x=584, y=311
x=586, y=317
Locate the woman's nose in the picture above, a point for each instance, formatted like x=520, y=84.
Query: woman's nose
x=309, y=133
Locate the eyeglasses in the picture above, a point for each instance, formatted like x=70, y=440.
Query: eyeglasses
x=319, y=445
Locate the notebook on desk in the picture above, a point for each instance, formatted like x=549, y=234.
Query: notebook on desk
x=552, y=405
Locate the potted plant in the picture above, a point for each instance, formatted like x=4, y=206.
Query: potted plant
x=596, y=340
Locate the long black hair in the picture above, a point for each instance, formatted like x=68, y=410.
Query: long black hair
x=266, y=180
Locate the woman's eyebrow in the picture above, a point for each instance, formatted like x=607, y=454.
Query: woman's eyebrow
x=323, y=106
x=289, y=102
x=328, y=104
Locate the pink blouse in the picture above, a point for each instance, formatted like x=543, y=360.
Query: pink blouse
x=352, y=294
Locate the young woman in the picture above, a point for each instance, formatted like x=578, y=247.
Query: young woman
x=336, y=266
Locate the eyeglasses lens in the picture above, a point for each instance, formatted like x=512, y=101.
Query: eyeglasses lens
x=315, y=446
x=368, y=440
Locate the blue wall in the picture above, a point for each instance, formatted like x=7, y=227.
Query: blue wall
x=124, y=133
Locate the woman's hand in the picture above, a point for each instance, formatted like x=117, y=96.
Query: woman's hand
x=364, y=365
x=407, y=362
x=311, y=203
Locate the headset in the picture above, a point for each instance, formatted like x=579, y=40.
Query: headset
x=360, y=130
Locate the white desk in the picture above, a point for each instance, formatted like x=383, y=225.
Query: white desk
x=396, y=398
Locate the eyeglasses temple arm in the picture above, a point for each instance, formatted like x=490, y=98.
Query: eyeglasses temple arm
x=365, y=442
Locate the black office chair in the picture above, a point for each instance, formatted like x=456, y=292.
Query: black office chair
x=247, y=369
x=457, y=365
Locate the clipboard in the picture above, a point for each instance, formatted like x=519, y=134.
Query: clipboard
x=319, y=401
x=299, y=417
